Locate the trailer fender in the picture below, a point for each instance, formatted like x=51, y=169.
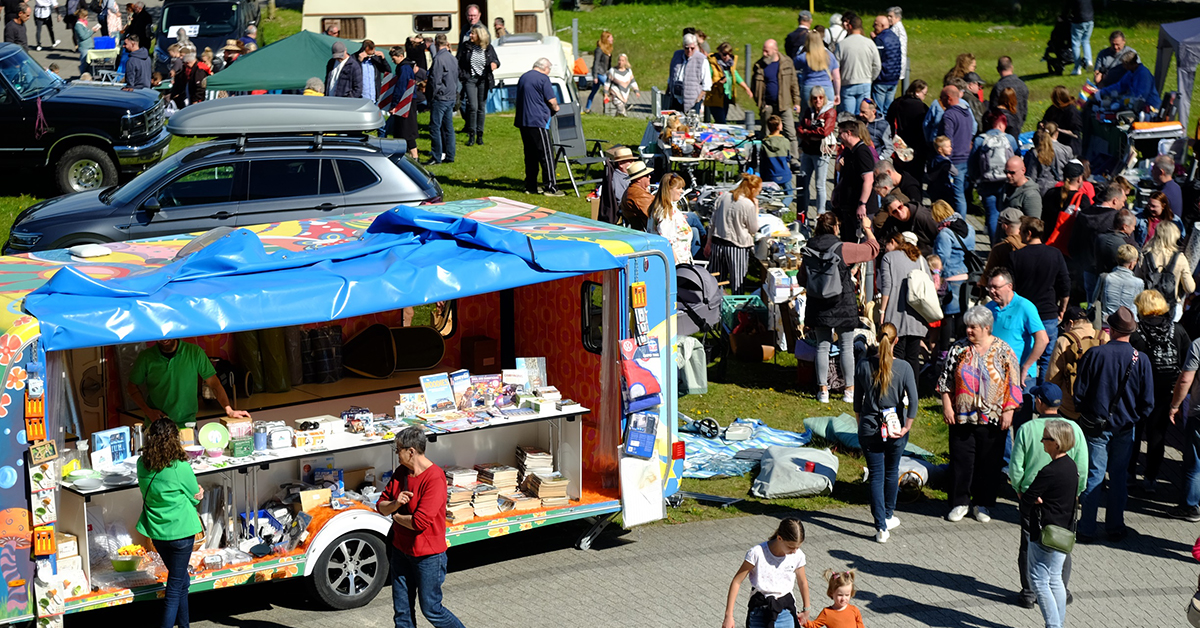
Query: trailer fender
x=344, y=523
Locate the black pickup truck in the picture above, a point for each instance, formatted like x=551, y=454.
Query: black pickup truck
x=81, y=135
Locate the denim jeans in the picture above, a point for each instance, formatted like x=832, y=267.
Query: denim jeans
x=1108, y=452
x=989, y=195
x=1045, y=574
x=1191, y=457
x=883, y=95
x=852, y=96
x=597, y=85
x=810, y=165
x=1081, y=37
x=756, y=618
x=960, y=189
x=883, y=464
x=1027, y=591
x=1043, y=363
x=441, y=129
x=824, y=338
x=175, y=555
x=420, y=577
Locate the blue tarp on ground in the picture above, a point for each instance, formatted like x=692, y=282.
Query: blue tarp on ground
x=408, y=256
x=714, y=457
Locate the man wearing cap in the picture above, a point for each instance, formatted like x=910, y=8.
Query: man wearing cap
x=342, y=77
x=442, y=90
x=616, y=181
x=635, y=205
x=906, y=216
x=1113, y=391
x=1020, y=191
x=795, y=39
x=1028, y=458
x=188, y=87
x=1009, y=78
x=1001, y=253
x=536, y=105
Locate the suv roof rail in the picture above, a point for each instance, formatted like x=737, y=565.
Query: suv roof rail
x=276, y=114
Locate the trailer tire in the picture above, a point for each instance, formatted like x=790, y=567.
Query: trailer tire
x=350, y=572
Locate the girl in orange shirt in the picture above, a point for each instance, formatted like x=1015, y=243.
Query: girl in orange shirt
x=840, y=614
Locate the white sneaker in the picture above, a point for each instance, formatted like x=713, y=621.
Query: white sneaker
x=881, y=536
x=893, y=522
x=848, y=396
x=56, y=43
x=823, y=396
x=39, y=49
x=981, y=514
x=957, y=513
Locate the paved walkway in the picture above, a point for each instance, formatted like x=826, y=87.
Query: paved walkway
x=932, y=573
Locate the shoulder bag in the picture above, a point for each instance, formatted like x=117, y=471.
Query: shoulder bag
x=1058, y=538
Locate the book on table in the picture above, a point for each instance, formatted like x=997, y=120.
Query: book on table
x=461, y=476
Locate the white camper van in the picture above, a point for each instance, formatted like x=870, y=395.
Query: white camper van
x=391, y=23
x=517, y=53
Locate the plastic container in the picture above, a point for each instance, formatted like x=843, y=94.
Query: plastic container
x=265, y=518
x=126, y=563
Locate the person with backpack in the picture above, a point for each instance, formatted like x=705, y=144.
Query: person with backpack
x=901, y=259
x=1166, y=344
x=961, y=267
x=1165, y=268
x=1077, y=336
x=832, y=304
x=989, y=157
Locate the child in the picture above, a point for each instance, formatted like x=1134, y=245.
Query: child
x=935, y=269
x=775, y=153
x=53, y=69
x=774, y=567
x=175, y=55
x=840, y=614
x=940, y=176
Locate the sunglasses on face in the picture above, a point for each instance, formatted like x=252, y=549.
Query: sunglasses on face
x=1010, y=172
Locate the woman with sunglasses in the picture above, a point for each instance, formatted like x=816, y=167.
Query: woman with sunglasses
x=1051, y=500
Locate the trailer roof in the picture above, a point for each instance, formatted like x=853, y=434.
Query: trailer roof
x=410, y=256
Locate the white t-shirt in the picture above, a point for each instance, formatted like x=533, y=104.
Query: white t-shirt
x=773, y=575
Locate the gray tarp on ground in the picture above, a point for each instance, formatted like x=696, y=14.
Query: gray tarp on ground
x=783, y=473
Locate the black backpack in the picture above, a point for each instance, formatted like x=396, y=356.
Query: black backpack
x=1163, y=279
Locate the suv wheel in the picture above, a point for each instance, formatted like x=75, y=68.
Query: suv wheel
x=84, y=168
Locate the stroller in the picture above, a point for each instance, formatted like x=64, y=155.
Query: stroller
x=699, y=298
x=1058, y=49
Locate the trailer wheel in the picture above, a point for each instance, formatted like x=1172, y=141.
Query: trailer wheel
x=350, y=572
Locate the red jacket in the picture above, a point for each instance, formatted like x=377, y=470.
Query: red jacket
x=814, y=128
x=427, y=507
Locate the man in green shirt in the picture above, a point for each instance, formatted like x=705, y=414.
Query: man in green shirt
x=1028, y=457
x=170, y=371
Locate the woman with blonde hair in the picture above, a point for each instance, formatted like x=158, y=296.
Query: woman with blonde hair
x=1161, y=255
x=621, y=82
x=817, y=68
x=1066, y=115
x=882, y=387
x=477, y=60
x=731, y=236
x=601, y=65
x=1165, y=342
x=667, y=221
x=954, y=244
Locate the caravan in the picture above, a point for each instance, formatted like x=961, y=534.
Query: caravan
x=390, y=23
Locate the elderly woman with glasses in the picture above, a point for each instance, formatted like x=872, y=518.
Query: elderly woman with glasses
x=1050, y=500
x=980, y=387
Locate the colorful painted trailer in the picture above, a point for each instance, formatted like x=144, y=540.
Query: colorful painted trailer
x=532, y=281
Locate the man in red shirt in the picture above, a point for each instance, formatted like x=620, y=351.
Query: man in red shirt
x=415, y=499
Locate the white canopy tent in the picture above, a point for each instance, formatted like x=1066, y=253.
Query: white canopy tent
x=1182, y=39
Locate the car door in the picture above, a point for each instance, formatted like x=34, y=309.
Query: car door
x=290, y=188
x=17, y=145
x=196, y=200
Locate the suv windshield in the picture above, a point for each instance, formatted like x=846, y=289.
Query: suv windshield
x=25, y=75
x=213, y=18
x=125, y=194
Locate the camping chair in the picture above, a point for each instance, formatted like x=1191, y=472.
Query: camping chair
x=571, y=147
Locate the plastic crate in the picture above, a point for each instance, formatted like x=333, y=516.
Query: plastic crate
x=104, y=43
x=248, y=526
x=730, y=306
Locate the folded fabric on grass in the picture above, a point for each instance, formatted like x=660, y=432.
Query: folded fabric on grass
x=785, y=473
x=715, y=457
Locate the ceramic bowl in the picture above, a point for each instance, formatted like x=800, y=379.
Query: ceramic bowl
x=215, y=453
x=194, y=451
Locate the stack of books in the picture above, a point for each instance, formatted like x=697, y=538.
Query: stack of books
x=517, y=501
x=532, y=460
x=461, y=476
x=503, y=477
x=551, y=488
x=485, y=500
x=458, y=504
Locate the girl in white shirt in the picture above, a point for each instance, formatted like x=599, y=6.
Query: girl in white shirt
x=667, y=221
x=774, y=566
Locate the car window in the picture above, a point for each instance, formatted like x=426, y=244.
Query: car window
x=355, y=175
x=25, y=75
x=212, y=18
x=329, y=183
x=284, y=178
x=205, y=186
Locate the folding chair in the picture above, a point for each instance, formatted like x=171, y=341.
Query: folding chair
x=571, y=147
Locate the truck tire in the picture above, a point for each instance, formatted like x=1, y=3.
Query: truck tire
x=84, y=168
x=350, y=572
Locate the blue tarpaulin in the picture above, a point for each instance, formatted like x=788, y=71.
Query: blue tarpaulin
x=407, y=257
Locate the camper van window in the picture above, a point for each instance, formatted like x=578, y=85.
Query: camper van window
x=593, y=316
x=348, y=27
x=431, y=23
x=525, y=23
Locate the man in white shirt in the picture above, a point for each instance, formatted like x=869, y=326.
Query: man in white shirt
x=895, y=16
x=859, y=61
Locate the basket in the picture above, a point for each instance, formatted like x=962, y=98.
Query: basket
x=126, y=563
x=731, y=304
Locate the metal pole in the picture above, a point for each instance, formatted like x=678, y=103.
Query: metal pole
x=575, y=36
x=749, y=121
x=746, y=74
x=655, y=101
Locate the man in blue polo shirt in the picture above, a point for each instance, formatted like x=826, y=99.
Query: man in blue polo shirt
x=1018, y=324
x=536, y=103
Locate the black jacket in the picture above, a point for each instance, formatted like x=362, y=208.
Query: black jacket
x=137, y=69
x=920, y=222
x=189, y=83
x=349, y=80
x=1090, y=223
x=464, y=64
x=1162, y=330
x=840, y=312
x=139, y=24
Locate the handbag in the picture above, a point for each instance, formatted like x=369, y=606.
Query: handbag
x=1059, y=538
x=922, y=295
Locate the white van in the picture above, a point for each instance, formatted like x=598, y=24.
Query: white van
x=391, y=23
x=517, y=54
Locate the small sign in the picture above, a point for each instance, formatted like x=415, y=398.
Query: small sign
x=192, y=30
x=44, y=451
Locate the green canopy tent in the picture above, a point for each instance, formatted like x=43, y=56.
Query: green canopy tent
x=286, y=64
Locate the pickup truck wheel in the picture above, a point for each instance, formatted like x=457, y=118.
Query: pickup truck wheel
x=84, y=168
x=350, y=572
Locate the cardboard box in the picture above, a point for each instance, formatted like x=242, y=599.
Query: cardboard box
x=187, y=436
x=356, y=478
x=314, y=498
x=70, y=563
x=333, y=477
x=238, y=428
x=68, y=545
x=311, y=463
x=595, y=202
x=480, y=355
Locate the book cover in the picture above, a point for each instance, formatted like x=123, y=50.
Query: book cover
x=535, y=372
x=460, y=381
x=482, y=391
x=640, y=433
x=640, y=368
x=410, y=405
x=439, y=397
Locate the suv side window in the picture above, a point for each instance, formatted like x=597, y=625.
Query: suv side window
x=329, y=182
x=284, y=178
x=206, y=186
x=355, y=175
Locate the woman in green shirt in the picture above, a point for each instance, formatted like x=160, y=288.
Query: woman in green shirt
x=169, y=495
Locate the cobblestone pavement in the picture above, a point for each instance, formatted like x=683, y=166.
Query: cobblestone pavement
x=931, y=573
